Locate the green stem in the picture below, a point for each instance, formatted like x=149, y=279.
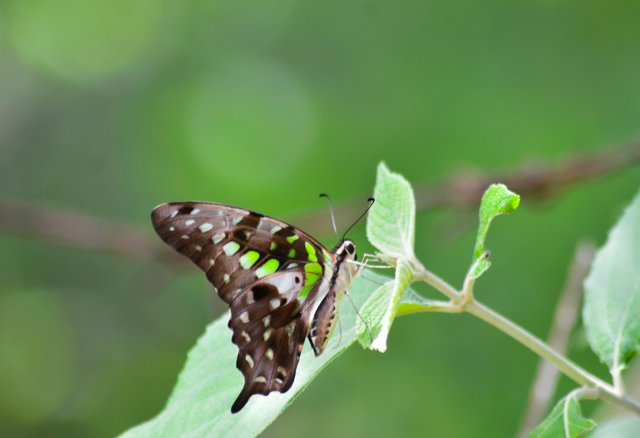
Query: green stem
x=569, y=368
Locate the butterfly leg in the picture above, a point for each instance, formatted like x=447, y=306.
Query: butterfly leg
x=366, y=263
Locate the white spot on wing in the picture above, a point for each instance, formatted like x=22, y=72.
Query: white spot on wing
x=274, y=303
x=195, y=211
x=260, y=379
x=230, y=248
x=249, y=360
x=172, y=228
x=189, y=222
x=217, y=238
x=269, y=354
x=175, y=212
x=267, y=334
x=236, y=219
x=226, y=278
x=246, y=336
x=275, y=229
x=266, y=320
x=244, y=317
x=198, y=248
x=205, y=227
x=184, y=237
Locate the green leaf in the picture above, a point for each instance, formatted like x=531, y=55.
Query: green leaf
x=391, y=221
x=380, y=310
x=200, y=403
x=413, y=302
x=497, y=200
x=625, y=427
x=612, y=293
x=565, y=420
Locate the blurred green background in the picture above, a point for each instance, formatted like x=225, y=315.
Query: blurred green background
x=109, y=108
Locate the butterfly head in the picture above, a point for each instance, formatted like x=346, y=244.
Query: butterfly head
x=345, y=250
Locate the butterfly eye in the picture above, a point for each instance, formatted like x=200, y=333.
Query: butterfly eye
x=350, y=248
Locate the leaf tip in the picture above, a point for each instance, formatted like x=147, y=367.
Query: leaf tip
x=498, y=199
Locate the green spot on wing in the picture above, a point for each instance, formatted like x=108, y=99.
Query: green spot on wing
x=313, y=268
x=292, y=239
x=292, y=253
x=273, y=246
x=311, y=251
x=268, y=268
x=249, y=258
x=304, y=292
x=313, y=271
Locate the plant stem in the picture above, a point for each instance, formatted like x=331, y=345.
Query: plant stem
x=422, y=274
x=570, y=369
x=616, y=373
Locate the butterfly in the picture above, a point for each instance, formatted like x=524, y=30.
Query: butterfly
x=282, y=286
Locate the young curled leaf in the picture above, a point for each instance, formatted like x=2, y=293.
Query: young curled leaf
x=497, y=200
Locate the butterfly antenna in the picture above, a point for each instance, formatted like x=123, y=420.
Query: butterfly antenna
x=371, y=201
x=333, y=217
x=364, y=321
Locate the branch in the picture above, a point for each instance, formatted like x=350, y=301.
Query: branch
x=510, y=328
x=544, y=385
x=461, y=191
x=79, y=231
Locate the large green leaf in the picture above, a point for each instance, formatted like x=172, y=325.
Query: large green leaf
x=564, y=421
x=208, y=384
x=391, y=221
x=625, y=427
x=612, y=293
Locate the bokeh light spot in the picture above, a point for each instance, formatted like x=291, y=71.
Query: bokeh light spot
x=249, y=120
x=83, y=40
x=36, y=367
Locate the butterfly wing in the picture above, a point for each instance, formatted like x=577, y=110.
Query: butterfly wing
x=266, y=270
x=269, y=330
x=234, y=246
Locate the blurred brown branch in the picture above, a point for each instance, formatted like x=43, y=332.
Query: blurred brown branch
x=544, y=384
x=462, y=191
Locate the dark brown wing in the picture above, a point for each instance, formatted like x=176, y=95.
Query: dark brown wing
x=217, y=236
x=266, y=270
x=269, y=327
